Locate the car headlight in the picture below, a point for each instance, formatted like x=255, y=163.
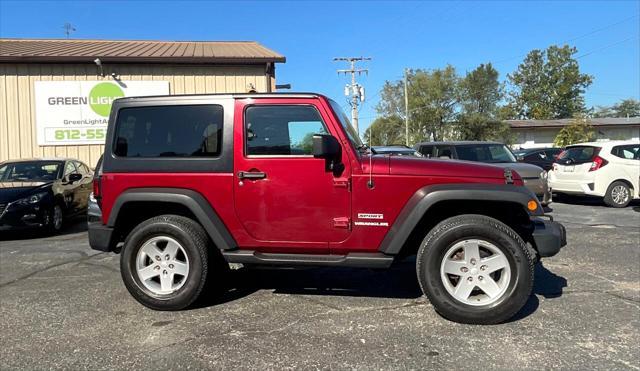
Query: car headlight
x=33, y=199
x=543, y=175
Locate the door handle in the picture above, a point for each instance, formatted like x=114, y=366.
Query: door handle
x=251, y=175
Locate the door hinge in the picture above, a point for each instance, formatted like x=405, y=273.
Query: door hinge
x=342, y=184
x=342, y=222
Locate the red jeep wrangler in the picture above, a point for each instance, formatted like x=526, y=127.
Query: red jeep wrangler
x=188, y=184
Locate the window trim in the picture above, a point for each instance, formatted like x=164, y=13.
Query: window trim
x=209, y=165
x=244, y=127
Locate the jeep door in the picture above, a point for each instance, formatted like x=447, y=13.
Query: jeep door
x=285, y=198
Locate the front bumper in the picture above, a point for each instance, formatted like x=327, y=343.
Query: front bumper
x=22, y=217
x=548, y=236
x=100, y=235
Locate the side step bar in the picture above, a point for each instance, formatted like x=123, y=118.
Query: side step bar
x=361, y=260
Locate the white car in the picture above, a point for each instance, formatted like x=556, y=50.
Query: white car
x=604, y=169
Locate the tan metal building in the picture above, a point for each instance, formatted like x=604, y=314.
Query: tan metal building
x=188, y=68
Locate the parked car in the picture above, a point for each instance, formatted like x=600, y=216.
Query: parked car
x=41, y=193
x=542, y=157
x=188, y=184
x=396, y=151
x=494, y=153
x=610, y=170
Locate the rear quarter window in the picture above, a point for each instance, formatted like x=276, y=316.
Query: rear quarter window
x=629, y=152
x=169, y=131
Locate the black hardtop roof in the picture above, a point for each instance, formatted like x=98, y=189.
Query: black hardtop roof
x=221, y=95
x=459, y=142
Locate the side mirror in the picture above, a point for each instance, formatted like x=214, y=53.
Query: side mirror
x=327, y=146
x=72, y=178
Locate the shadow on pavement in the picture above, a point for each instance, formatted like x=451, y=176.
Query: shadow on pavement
x=589, y=201
x=74, y=225
x=398, y=282
x=547, y=284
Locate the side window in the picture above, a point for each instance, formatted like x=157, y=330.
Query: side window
x=80, y=168
x=627, y=152
x=443, y=151
x=533, y=157
x=169, y=131
x=427, y=151
x=281, y=130
x=69, y=168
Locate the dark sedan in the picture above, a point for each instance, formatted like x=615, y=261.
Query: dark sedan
x=41, y=193
x=543, y=157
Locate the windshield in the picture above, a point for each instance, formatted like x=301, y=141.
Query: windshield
x=346, y=124
x=490, y=153
x=30, y=171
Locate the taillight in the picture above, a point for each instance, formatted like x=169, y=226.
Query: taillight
x=597, y=163
x=96, y=188
x=559, y=155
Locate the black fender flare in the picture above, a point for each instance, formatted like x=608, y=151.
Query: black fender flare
x=424, y=198
x=194, y=201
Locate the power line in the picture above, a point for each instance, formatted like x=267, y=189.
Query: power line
x=354, y=90
x=605, y=47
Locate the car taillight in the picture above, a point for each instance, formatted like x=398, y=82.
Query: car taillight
x=96, y=188
x=597, y=163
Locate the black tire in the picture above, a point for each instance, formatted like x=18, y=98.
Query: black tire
x=193, y=240
x=51, y=226
x=609, y=199
x=464, y=227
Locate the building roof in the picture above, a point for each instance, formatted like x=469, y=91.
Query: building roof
x=138, y=51
x=598, y=122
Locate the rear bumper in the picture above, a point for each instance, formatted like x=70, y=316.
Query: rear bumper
x=548, y=236
x=100, y=236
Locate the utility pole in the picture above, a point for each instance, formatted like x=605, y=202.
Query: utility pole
x=406, y=109
x=354, y=90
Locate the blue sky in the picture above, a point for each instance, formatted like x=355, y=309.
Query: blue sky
x=395, y=34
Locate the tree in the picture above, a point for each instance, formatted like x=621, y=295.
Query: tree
x=480, y=95
x=433, y=96
x=603, y=111
x=385, y=131
x=548, y=85
x=627, y=108
x=577, y=132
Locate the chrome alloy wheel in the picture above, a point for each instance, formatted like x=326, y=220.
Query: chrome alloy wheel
x=475, y=272
x=620, y=194
x=162, y=265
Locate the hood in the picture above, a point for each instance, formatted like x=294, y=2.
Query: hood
x=444, y=168
x=525, y=170
x=11, y=191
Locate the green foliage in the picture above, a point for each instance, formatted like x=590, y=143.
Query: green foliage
x=385, y=131
x=548, y=85
x=480, y=95
x=627, y=108
x=433, y=95
x=578, y=131
x=603, y=111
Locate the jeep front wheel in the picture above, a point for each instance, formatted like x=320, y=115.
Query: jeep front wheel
x=475, y=269
x=164, y=262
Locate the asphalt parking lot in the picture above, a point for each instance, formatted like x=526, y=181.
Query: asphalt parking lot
x=63, y=305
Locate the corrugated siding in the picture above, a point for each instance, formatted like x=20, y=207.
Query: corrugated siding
x=17, y=110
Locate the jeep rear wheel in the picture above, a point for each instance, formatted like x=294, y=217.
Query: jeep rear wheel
x=164, y=262
x=475, y=269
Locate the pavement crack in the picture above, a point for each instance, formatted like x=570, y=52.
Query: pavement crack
x=21, y=278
